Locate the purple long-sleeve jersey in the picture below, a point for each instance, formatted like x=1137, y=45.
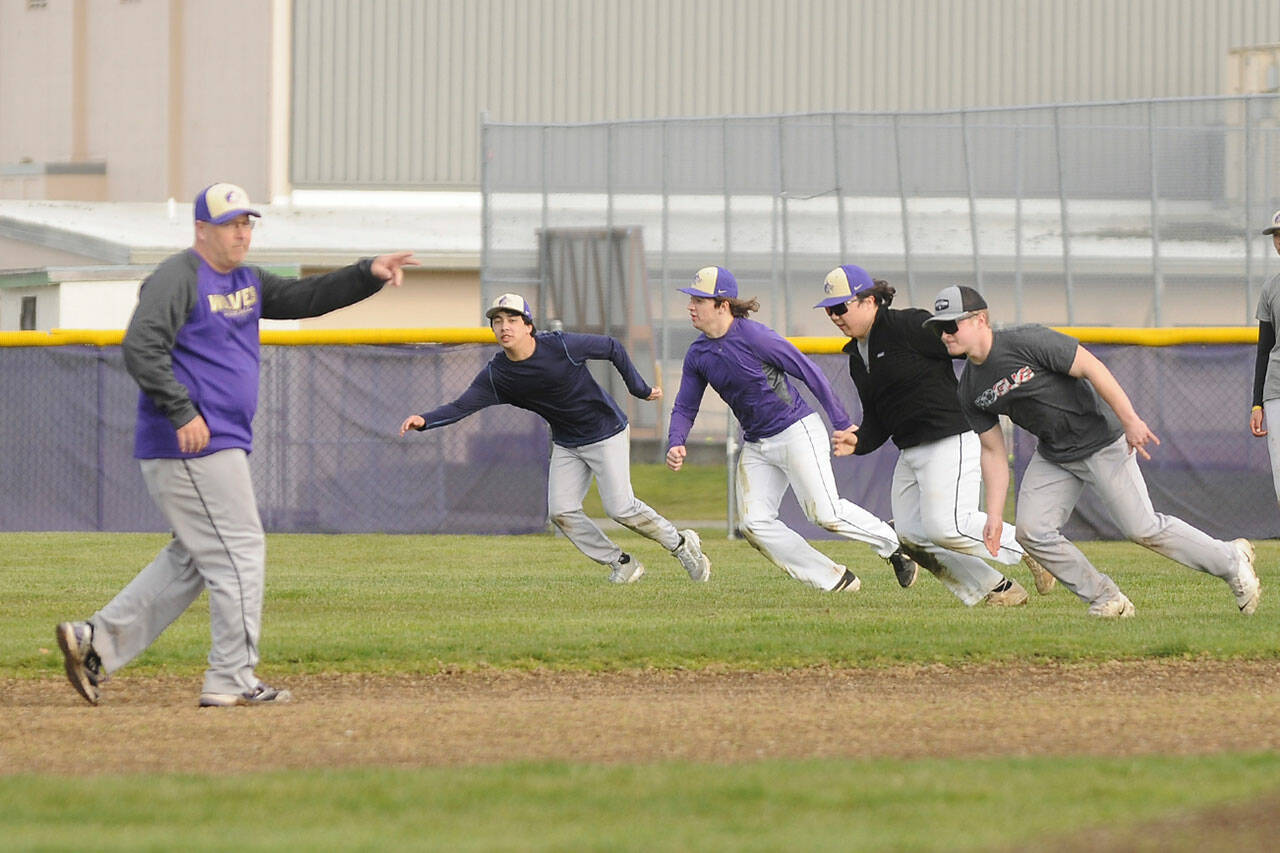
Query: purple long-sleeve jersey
x=748, y=367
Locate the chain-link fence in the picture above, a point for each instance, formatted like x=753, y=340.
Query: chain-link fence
x=1140, y=213
x=327, y=455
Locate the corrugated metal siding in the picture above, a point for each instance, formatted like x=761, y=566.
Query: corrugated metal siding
x=389, y=92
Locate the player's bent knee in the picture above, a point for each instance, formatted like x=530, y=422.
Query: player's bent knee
x=1029, y=536
x=945, y=535
x=620, y=512
x=752, y=528
x=565, y=519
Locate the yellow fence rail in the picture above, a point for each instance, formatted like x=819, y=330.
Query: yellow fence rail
x=482, y=335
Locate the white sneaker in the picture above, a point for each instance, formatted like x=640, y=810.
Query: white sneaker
x=1007, y=593
x=689, y=553
x=260, y=695
x=848, y=582
x=627, y=569
x=1245, y=585
x=1045, y=582
x=1119, y=607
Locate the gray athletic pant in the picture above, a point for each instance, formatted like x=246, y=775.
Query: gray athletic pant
x=217, y=545
x=610, y=462
x=1049, y=492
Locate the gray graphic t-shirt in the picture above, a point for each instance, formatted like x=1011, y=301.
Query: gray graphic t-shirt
x=1026, y=377
x=1268, y=311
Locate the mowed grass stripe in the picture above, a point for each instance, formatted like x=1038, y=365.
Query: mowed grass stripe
x=796, y=805
x=388, y=604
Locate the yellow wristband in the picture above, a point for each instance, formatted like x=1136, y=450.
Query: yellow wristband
x=1255, y=408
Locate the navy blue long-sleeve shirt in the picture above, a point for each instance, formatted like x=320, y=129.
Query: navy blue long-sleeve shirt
x=555, y=384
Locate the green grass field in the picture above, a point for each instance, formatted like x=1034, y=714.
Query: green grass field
x=425, y=604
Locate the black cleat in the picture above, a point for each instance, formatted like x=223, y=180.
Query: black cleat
x=904, y=568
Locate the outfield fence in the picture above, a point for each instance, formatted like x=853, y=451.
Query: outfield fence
x=328, y=457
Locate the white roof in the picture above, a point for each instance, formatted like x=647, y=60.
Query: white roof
x=442, y=229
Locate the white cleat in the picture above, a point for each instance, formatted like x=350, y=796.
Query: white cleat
x=627, y=569
x=1008, y=593
x=689, y=553
x=1245, y=585
x=1119, y=607
x=1045, y=582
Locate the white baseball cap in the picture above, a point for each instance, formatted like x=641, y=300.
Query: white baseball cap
x=843, y=283
x=1275, y=224
x=220, y=203
x=513, y=302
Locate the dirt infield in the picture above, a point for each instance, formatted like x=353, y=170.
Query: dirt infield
x=152, y=725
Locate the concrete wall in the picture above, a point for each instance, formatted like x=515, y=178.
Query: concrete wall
x=171, y=95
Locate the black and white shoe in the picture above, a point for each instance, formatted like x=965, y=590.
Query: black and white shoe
x=260, y=695
x=626, y=569
x=904, y=568
x=848, y=582
x=84, y=667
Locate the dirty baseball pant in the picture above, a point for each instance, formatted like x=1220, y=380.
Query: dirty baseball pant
x=610, y=462
x=936, y=491
x=217, y=545
x=1049, y=492
x=800, y=457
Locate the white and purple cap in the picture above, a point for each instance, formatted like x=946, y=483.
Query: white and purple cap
x=513, y=302
x=954, y=303
x=712, y=283
x=843, y=283
x=221, y=203
x=1275, y=224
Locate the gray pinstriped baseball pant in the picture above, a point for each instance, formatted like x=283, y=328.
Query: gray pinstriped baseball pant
x=217, y=545
x=1050, y=491
x=610, y=462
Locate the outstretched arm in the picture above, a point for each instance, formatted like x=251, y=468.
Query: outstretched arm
x=580, y=346
x=1136, y=432
x=478, y=395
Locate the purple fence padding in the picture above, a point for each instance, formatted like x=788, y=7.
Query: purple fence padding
x=1208, y=470
x=327, y=456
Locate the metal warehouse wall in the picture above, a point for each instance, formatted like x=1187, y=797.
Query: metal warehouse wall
x=388, y=93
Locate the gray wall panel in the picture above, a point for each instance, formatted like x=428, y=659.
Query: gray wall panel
x=388, y=93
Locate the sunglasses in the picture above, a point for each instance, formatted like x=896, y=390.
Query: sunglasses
x=950, y=327
x=843, y=308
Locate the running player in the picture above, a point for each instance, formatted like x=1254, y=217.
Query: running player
x=1089, y=435
x=546, y=373
x=907, y=385
x=786, y=444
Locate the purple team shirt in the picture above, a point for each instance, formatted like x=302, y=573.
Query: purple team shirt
x=748, y=367
x=215, y=356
